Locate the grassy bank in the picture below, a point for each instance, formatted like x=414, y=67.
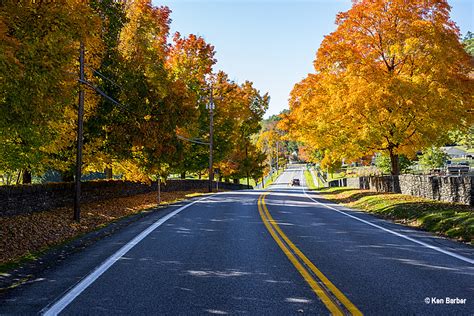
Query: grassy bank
x=25, y=237
x=309, y=180
x=447, y=219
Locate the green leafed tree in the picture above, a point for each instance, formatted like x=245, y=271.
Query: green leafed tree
x=468, y=42
x=433, y=158
x=383, y=163
x=38, y=78
x=99, y=153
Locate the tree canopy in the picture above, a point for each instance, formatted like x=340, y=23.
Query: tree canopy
x=157, y=92
x=393, y=78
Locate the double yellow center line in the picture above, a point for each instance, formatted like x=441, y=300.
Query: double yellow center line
x=336, y=302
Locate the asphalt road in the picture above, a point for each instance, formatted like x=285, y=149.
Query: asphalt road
x=281, y=251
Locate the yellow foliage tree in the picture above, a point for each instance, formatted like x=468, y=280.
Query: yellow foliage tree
x=393, y=77
x=39, y=45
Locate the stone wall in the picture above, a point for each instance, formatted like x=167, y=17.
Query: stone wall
x=448, y=188
x=337, y=183
x=23, y=199
x=358, y=183
x=458, y=189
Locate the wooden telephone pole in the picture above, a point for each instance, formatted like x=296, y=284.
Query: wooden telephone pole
x=80, y=132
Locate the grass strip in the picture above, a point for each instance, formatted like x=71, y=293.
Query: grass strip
x=273, y=178
x=320, y=181
x=309, y=180
x=447, y=219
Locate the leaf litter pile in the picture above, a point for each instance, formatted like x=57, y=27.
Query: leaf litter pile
x=24, y=235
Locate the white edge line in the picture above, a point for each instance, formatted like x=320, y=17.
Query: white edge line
x=57, y=307
x=446, y=252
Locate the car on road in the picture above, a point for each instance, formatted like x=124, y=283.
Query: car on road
x=295, y=182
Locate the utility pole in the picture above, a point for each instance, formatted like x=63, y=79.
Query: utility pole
x=80, y=117
x=277, y=156
x=159, y=189
x=246, y=158
x=211, y=138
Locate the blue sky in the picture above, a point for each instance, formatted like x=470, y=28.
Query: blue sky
x=271, y=42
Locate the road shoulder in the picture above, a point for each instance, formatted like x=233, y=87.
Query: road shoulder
x=85, y=253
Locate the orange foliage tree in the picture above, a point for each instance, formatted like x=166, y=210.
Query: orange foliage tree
x=239, y=110
x=392, y=78
x=189, y=61
x=160, y=88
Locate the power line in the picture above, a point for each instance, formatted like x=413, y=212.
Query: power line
x=192, y=140
x=104, y=77
x=123, y=107
x=103, y=94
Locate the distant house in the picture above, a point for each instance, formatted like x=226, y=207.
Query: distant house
x=454, y=152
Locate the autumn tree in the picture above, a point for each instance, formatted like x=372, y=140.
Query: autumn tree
x=99, y=153
x=152, y=106
x=318, y=124
x=465, y=136
x=249, y=106
x=276, y=141
x=39, y=49
x=189, y=61
x=392, y=78
x=143, y=94
x=238, y=110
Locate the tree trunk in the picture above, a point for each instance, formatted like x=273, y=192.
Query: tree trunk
x=236, y=181
x=108, y=173
x=394, y=160
x=18, y=178
x=10, y=178
x=26, y=176
x=67, y=176
x=183, y=175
